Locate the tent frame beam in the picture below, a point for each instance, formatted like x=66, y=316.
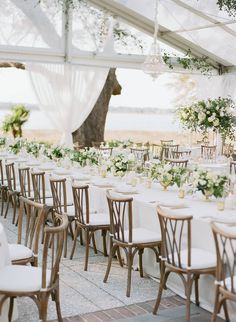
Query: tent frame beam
x=146, y=25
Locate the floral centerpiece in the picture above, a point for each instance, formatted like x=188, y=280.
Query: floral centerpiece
x=164, y=173
x=85, y=156
x=210, y=184
x=120, y=164
x=181, y=176
x=16, y=146
x=33, y=148
x=211, y=114
x=3, y=142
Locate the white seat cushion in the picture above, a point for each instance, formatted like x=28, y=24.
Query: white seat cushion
x=99, y=219
x=142, y=235
x=20, y=278
x=18, y=252
x=200, y=259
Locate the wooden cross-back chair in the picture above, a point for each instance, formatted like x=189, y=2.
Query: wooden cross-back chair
x=177, y=163
x=3, y=187
x=167, y=150
x=233, y=167
x=225, y=243
x=228, y=149
x=105, y=151
x=178, y=256
x=30, y=223
x=181, y=154
x=38, y=283
x=13, y=189
x=156, y=150
x=88, y=222
x=61, y=205
x=25, y=182
x=208, y=152
x=130, y=239
x=141, y=154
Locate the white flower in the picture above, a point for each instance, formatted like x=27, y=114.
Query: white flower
x=216, y=122
x=201, y=116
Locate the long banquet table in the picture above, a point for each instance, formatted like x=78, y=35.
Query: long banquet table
x=145, y=201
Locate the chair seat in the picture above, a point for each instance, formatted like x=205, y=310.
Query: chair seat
x=18, y=251
x=142, y=236
x=71, y=211
x=20, y=278
x=200, y=259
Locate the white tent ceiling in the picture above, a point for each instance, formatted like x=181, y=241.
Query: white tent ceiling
x=32, y=32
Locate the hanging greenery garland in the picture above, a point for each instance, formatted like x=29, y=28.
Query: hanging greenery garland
x=228, y=5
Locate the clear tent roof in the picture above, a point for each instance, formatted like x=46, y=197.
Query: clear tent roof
x=43, y=32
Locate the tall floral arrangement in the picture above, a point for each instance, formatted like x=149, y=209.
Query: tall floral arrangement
x=212, y=114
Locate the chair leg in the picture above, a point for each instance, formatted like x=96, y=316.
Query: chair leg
x=87, y=242
x=111, y=254
x=14, y=199
x=7, y=207
x=81, y=237
x=140, y=253
x=71, y=230
x=58, y=306
x=226, y=311
x=188, y=291
x=119, y=257
x=2, y=200
x=65, y=242
x=44, y=307
x=196, y=279
x=77, y=230
x=216, y=305
x=11, y=307
x=104, y=234
x=94, y=243
x=129, y=264
x=161, y=287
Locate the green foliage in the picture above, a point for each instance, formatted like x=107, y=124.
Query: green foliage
x=190, y=62
x=228, y=5
x=214, y=114
x=13, y=122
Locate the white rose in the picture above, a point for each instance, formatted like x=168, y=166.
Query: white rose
x=216, y=122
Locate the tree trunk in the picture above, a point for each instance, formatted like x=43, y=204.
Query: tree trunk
x=93, y=128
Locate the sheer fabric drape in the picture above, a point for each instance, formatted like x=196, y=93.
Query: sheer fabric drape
x=66, y=93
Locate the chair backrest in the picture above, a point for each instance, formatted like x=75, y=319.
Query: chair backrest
x=181, y=154
x=59, y=196
x=25, y=182
x=228, y=149
x=11, y=177
x=121, y=218
x=105, y=151
x=141, y=154
x=208, y=152
x=156, y=150
x=233, y=167
x=52, y=249
x=177, y=163
x=225, y=243
x=1, y=173
x=164, y=142
x=176, y=237
x=38, y=182
x=81, y=203
x=168, y=149
x=30, y=222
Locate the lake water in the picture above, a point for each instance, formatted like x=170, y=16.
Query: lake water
x=115, y=121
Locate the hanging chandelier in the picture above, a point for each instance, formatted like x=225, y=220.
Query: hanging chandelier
x=154, y=64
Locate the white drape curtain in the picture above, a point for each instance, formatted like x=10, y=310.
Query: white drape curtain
x=215, y=86
x=66, y=93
